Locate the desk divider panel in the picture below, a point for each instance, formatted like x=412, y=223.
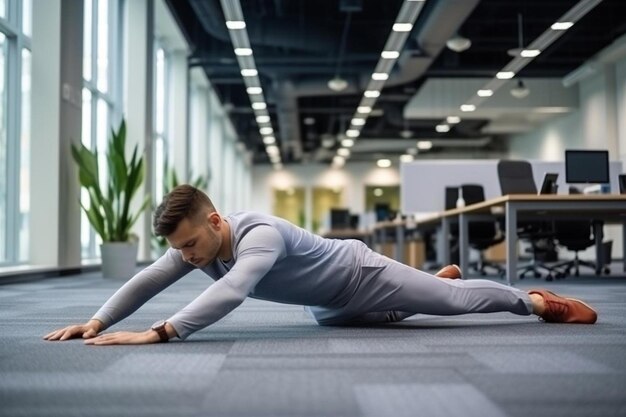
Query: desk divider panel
x=423, y=183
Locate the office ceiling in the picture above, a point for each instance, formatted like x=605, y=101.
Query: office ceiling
x=299, y=45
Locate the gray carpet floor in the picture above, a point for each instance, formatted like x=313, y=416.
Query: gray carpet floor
x=267, y=359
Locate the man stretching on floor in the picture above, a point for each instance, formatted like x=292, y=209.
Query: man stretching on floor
x=342, y=282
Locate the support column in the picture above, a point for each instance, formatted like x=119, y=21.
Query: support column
x=57, y=63
x=139, y=101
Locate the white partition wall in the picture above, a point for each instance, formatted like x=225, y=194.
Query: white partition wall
x=423, y=183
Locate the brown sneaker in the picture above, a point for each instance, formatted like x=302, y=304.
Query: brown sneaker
x=450, y=272
x=565, y=310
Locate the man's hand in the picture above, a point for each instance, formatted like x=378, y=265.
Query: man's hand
x=125, y=338
x=86, y=331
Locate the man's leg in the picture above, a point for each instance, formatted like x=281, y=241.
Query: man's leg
x=398, y=291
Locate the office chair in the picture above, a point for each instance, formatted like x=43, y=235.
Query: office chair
x=575, y=236
x=483, y=234
x=516, y=177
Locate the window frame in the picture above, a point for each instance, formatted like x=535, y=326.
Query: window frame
x=16, y=41
x=112, y=97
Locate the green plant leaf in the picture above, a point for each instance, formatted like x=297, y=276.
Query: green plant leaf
x=109, y=211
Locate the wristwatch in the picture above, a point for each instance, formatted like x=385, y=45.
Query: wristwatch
x=159, y=327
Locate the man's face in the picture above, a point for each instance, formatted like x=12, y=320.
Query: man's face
x=199, y=241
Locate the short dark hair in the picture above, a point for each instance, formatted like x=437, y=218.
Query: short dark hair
x=183, y=202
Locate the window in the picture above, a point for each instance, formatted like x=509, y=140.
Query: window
x=101, y=93
x=161, y=111
x=15, y=25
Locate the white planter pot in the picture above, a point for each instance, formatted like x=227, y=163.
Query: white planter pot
x=119, y=259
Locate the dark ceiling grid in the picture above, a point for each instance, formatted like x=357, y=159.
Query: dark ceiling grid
x=299, y=40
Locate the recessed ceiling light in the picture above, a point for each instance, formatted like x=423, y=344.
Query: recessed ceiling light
x=347, y=143
x=406, y=158
x=468, y=107
x=272, y=150
x=269, y=140
x=339, y=161
x=380, y=76
x=562, y=25
x=309, y=121
x=259, y=106
x=352, y=133
x=442, y=128
x=453, y=120
x=357, y=121
x=371, y=93
x=390, y=54
x=343, y=152
x=505, y=75
x=529, y=53
x=235, y=24
x=424, y=145
x=254, y=90
x=383, y=163
x=484, y=93
x=249, y=72
x=266, y=130
x=243, y=51
x=364, y=109
x=402, y=27
x=262, y=119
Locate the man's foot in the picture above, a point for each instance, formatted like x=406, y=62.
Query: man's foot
x=565, y=310
x=450, y=272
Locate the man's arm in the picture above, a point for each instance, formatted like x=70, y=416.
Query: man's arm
x=256, y=254
x=132, y=295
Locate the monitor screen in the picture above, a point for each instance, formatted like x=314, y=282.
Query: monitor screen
x=583, y=166
x=339, y=218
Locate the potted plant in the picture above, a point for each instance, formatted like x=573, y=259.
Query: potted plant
x=159, y=243
x=109, y=210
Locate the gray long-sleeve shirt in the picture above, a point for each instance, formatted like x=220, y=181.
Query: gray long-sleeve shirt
x=272, y=260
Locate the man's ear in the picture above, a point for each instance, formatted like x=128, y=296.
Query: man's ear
x=214, y=219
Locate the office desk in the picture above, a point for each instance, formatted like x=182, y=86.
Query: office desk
x=610, y=208
x=379, y=230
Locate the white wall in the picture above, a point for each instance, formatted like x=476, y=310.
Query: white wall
x=599, y=123
x=352, y=179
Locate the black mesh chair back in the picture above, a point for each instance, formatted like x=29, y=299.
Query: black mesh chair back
x=482, y=234
x=516, y=177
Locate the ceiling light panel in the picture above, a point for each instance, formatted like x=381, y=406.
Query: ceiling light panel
x=235, y=24
x=390, y=54
x=395, y=42
x=541, y=43
x=402, y=27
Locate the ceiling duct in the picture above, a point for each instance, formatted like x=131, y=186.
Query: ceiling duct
x=432, y=39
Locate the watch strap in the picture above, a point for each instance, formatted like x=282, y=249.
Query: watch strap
x=159, y=327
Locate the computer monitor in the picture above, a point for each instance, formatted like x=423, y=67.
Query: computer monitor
x=585, y=166
x=622, y=183
x=383, y=211
x=549, y=185
x=339, y=218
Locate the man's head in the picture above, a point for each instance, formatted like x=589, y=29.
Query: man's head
x=188, y=220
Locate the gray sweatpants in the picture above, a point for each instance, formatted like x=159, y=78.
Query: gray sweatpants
x=389, y=291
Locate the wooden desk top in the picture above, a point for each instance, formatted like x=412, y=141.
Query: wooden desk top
x=491, y=205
